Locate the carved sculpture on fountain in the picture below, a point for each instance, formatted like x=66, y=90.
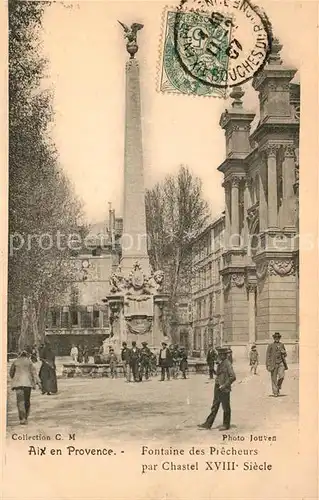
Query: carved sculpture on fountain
x=136, y=284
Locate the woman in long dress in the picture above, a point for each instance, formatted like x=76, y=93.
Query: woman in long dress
x=47, y=372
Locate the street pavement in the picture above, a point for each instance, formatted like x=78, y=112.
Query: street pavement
x=152, y=410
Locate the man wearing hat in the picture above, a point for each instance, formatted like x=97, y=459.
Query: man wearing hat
x=112, y=360
x=135, y=361
x=230, y=354
x=225, y=376
x=165, y=361
x=125, y=357
x=145, y=361
x=24, y=378
x=183, y=361
x=276, y=363
x=253, y=359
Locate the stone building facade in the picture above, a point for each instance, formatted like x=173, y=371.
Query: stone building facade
x=207, y=292
x=259, y=270
x=80, y=317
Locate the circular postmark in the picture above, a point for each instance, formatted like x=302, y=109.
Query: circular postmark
x=221, y=43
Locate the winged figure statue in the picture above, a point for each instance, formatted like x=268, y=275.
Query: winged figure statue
x=131, y=36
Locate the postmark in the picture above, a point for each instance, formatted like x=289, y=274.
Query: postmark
x=175, y=78
x=214, y=44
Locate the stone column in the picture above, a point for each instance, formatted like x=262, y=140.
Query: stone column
x=235, y=211
x=156, y=327
x=251, y=313
x=226, y=186
x=247, y=204
x=202, y=342
x=271, y=152
x=191, y=340
x=288, y=181
x=263, y=215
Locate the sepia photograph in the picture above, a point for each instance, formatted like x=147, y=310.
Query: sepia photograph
x=154, y=246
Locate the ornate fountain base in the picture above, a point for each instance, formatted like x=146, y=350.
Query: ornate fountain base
x=136, y=309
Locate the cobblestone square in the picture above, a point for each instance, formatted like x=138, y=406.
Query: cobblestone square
x=115, y=410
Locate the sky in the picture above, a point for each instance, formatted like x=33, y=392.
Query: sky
x=86, y=70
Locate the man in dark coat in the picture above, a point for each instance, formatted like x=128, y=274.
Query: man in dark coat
x=34, y=354
x=225, y=376
x=145, y=361
x=183, y=361
x=80, y=354
x=86, y=354
x=47, y=372
x=211, y=359
x=276, y=363
x=174, y=350
x=135, y=361
x=125, y=357
x=165, y=361
x=24, y=375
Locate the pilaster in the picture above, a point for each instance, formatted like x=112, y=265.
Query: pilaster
x=270, y=151
x=289, y=179
x=235, y=236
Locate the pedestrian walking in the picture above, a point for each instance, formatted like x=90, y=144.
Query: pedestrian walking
x=47, y=372
x=253, y=359
x=225, y=376
x=134, y=361
x=211, y=360
x=276, y=363
x=24, y=378
x=165, y=362
x=112, y=360
x=125, y=357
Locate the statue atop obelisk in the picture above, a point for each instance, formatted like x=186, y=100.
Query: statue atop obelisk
x=134, y=239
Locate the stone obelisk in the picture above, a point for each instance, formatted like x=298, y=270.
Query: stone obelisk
x=136, y=299
x=134, y=239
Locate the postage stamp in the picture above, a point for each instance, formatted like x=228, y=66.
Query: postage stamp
x=213, y=47
x=182, y=73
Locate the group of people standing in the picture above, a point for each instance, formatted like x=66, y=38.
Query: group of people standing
x=141, y=362
x=80, y=354
x=25, y=377
x=138, y=363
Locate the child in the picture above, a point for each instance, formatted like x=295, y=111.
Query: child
x=253, y=359
x=112, y=359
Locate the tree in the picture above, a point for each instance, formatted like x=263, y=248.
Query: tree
x=176, y=212
x=42, y=202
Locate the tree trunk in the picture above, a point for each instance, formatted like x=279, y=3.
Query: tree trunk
x=22, y=342
x=42, y=311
